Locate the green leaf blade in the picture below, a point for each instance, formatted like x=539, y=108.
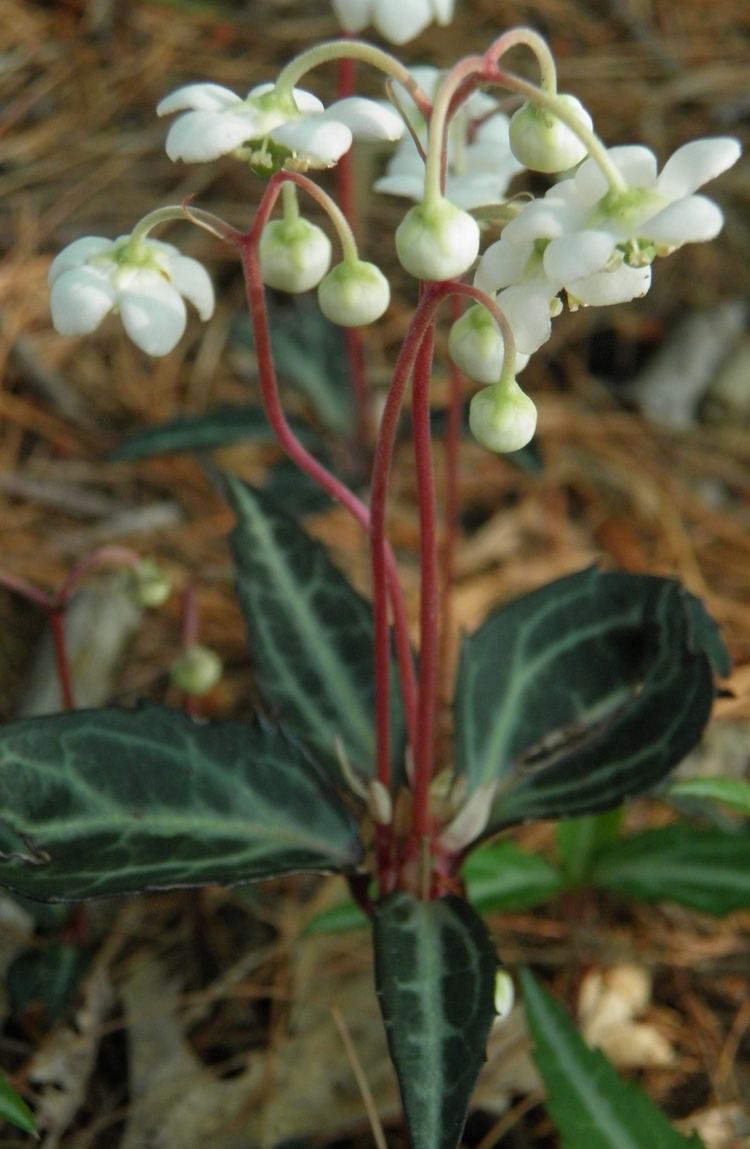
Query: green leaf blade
x=435, y=972
x=14, y=1109
x=501, y=876
x=705, y=869
x=309, y=632
x=731, y=792
x=587, y=1100
x=94, y=803
x=217, y=428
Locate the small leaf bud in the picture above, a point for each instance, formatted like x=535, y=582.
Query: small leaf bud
x=542, y=142
x=294, y=255
x=354, y=293
x=502, y=417
x=437, y=240
x=197, y=670
x=149, y=585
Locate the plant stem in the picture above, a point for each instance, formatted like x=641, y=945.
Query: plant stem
x=451, y=445
x=428, y=588
x=57, y=628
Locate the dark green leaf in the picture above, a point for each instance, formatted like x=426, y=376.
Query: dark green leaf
x=216, y=428
x=580, y=839
x=501, y=876
x=117, y=801
x=592, y=1107
x=309, y=632
x=435, y=972
x=580, y=694
x=708, y=870
x=309, y=353
x=14, y=1110
x=48, y=977
x=290, y=487
x=732, y=792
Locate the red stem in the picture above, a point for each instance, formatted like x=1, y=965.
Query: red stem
x=305, y=461
x=57, y=627
x=429, y=588
x=451, y=500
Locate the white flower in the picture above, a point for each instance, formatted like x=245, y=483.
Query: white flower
x=270, y=130
x=396, y=20
x=480, y=163
x=542, y=142
x=294, y=255
x=144, y=280
x=354, y=293
x=592, y=228
x=437, y=240
x=502, y=417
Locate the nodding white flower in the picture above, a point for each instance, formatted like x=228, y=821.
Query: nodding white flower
x=542, y=142
x=354, y=293
x=294, y=255
x=144, y=280
x=502, y=417
x=397, y=21
x=437, y=240
x=269, y=129
x=480, y=164
x=592, y=228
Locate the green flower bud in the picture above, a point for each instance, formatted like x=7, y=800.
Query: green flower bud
x=354, y=293
x=294, y=255
x=502, y=417
x=476, y=346
x=149, y=585
x=542, y=142
x=197, y=670
x=437, y=240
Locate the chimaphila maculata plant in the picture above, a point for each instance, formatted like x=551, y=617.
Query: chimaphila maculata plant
x=566, y=702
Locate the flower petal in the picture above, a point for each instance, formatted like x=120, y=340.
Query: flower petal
x=366, y=119
x=152, y=312
x=696, y=163
x=316, y=139
x=503, y=264
x=201, y=136
x=76, y=254
x=573, y=256
x=443, y=11
x=691, y=220
x=545, y=219
x=529, y=316
x=199, y=98
x=402, y=183
x=637, y=165
x=603, y=288
x=305, y=102
x=79, y=300
x=192, y=280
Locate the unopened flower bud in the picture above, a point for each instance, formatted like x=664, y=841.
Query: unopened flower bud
x=502, y=417
x=437, y=240
x=542, y=142
x=476, y=345
x=149, y=585
x=504, y=994
x=354, y=293
x=197, y=670
x=294, y=255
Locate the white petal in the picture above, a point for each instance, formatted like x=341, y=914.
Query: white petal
x=529, y=316
x=353, y=15
x=316, y=139
x=695, y=164
x=476, y=189
x=201, y=136
x=80, y=299
x=401, y=20
x=199, y=98
x=502, y=264
x=443, y=11
x=607, y=287
x=573, y=256
x=152, y=312
x=637, y=165
x=545, y=219
x=305, y=102
x=76, y=254
x=367, y=119
x=691, y=220
x=411, y=186
x=192, y=280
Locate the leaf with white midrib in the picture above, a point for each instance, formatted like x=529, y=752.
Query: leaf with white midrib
x=309, y=632
x=116, y=801
x=590, y=1105
x=435, y=969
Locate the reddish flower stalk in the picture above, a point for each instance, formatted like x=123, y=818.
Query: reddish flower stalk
x=304, y=460
x=62, y=665
x=451, y=445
